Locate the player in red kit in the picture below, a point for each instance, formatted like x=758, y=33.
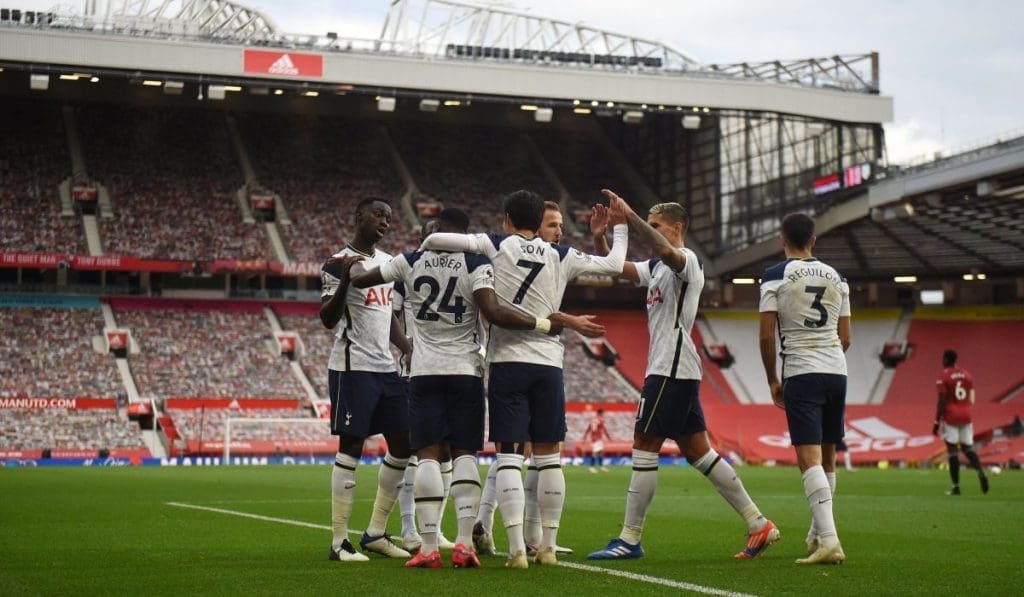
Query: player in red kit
x=596, y=433
x=956, y=395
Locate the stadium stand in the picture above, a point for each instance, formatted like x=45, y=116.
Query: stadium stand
x=204, y=349
x=48, y=353
x=321, y=168
x=33, y=162
x=588, y=380
x=317, y=341
x=739, y=331
x=471, y=167
x=980, y=336
x=67, y=429
x=172, y=175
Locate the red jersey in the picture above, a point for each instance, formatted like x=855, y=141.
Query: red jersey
x=596, y=431
x=956, y=385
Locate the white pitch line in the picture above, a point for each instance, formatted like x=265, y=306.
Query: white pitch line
x=654, y=580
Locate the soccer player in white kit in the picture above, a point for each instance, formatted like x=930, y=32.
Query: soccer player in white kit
x=367, y=395
x=807, y=303
x=670, y=403
x=445, y=292
x=526, y=394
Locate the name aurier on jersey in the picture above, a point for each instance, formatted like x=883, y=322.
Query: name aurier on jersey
x=442, y=261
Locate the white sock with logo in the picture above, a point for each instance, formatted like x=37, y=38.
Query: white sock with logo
x=831, y=477
x=642, y=486
x=728, y=483
x=406, y=501
x=465, y=491
x=550, y=496
x=343, y=490
x=429, y=491
x=819, y=498
x=531, y=527
x=446, y=480
x=511, y=499
x=488, y=498
x=389, y=482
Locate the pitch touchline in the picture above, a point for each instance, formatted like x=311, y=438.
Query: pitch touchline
x=654, y=580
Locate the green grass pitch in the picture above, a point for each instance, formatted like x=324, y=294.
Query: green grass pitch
x=94, y=531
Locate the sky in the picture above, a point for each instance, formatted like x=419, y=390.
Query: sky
x=955, y=68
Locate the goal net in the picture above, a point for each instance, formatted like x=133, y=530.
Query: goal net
x=275, y=436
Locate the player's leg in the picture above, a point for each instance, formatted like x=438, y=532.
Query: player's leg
x=411, y=539
x=483, y=539
x=391, y=417
x=648, y=437
x=815, y=406
x=465, y=426
x=426, y=434
x=343, y=473
x=531, y=523
x=509, y=423
x=547, y=430
x=446, y=479
x=967, y=445
x=828, y=463
x=953, y=457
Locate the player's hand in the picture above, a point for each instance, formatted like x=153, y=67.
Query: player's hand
x=346, y=261
x=617, y=208
x=935, y=428
x=583, y=324
x=776, y=389
x=598, y=220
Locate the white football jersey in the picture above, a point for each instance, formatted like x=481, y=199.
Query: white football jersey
x=809, y=297
x=441, y=313
x=672, y=301
x=363, y=340
x=531, y=275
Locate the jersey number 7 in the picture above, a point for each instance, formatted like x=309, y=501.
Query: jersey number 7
x=534, y=268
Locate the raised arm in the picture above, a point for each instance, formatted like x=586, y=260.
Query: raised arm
x=598, y=228
x=767, y=342
x=670, y=256
x=450, y=241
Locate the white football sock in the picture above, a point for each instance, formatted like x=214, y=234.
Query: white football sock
x=343, y=490
x=446, y=479
x=465, y=491
x=550, y=495
x=819, y=498
x=488, y=498
x=406, y=503
x=531, y=526
x=727, y=482
x=429, y=491
x=642, y=486
x=389, y=482
x=813, y=532
x=511, y=500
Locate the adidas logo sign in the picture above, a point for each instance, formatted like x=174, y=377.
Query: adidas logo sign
x=864, y=435
x=283, y=66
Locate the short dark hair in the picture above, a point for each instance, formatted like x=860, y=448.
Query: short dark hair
x=525, y=209
x=369, y=201
x=798, y=229
x=949, y=358
x=454, y=218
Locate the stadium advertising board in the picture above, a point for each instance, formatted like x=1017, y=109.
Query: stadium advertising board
x=283, y=64
x=42, y=403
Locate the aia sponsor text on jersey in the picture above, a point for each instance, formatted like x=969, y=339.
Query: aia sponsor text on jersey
x=378, y=296
x=654, y=297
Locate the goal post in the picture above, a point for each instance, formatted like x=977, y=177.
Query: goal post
x=273, y=435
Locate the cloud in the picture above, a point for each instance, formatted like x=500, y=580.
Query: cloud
x=907, y=141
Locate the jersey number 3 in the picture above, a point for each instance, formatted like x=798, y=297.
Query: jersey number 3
x=426, y=312
x=818, y=292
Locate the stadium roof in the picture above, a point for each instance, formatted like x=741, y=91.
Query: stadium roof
x=955, y=216
x=444, y=46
